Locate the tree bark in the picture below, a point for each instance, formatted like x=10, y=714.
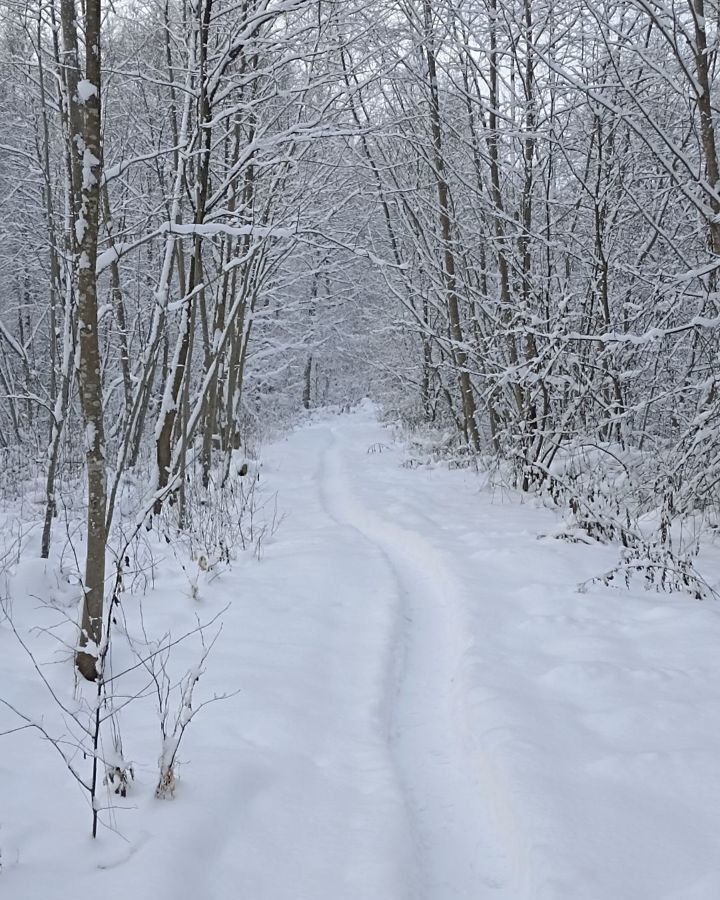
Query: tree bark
x=86, y=150
x=443, y=192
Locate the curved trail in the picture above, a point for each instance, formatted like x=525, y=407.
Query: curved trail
x=457, y=850
x=427, y=710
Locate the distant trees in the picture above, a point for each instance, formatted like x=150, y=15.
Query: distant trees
x=172, y=161
x=573, y=158
x=497, y=215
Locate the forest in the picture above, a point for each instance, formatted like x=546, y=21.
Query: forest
x=488, y=228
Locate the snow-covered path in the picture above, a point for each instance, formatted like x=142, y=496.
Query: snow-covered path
x=428, y=710
x=447, y=820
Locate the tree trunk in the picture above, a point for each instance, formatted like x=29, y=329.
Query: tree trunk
x=443, y=191
x=86, y=149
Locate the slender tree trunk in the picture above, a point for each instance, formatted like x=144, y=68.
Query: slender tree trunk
x=707, y=125
x=443, y=192
x=60, y=394
x=85, y=131
x=178, y=371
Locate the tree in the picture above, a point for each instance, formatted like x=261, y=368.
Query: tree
x=84, y=139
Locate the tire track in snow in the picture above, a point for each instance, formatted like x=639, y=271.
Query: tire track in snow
x=447, y=793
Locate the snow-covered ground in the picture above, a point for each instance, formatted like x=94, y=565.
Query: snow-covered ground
x=427, y=710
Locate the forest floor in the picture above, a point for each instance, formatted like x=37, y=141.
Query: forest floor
x=428, y=709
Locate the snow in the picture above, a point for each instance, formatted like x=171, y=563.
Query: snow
x=427, y=709
x=86, y=89
x=213, y=229
x=80, y=228
x=89, y=162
